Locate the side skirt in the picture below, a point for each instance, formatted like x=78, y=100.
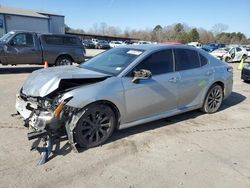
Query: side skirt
x=158, y=116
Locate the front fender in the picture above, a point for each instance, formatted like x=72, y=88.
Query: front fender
x=110, y=90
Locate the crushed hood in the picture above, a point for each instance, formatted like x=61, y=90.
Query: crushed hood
x=44, y=81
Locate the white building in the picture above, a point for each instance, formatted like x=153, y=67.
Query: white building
x=30, y=20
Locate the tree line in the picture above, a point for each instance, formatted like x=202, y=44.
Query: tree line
x=178, y=32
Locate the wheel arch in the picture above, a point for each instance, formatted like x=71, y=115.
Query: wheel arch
x=64, y=55
x=218, y=82
x=112, y=106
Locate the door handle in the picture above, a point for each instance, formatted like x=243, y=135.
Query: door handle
x=173, y=79
x=210, y=72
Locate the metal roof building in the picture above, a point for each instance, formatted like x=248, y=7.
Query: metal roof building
x=30, y=20
x=102, y=37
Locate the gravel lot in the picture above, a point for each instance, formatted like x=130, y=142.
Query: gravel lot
x=189, y=150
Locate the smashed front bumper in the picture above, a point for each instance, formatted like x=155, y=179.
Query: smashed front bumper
x=44, y=126
x=48, y=124
x=34, y=116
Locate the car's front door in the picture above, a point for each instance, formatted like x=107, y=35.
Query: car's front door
x=22, y=50
x=155, y=95
x=194, y=77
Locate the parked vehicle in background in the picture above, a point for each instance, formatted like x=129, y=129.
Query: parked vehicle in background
x=245, y=73
x=142, y=42
x=212, y=46
x=102, y=44
x=24, y=47
x=208, y=48
x=88, y=44
x=219, y=53
x=247, y=47
x=121, y=88
x=235, y=54
x=127, y=42
x=95, y=41
x=195, y=44
x=114, y=44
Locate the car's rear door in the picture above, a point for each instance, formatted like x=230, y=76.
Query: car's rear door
x=195, y=74
x=155, y=95
x=238, y=54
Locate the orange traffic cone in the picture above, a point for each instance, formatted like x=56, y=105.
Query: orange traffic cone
x=46, y=65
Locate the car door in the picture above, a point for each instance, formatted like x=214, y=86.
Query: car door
x=238, y=54
x=22, y=50
x=155, y=95
x=194, y=77
x=232, y=53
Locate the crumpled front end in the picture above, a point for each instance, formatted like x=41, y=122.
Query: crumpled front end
x=42, y=102
x=47, y=118
x=38, y=113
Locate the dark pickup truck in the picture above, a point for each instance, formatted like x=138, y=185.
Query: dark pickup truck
x=23, y=47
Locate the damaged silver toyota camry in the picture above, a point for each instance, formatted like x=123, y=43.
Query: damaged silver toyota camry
x=120, y=88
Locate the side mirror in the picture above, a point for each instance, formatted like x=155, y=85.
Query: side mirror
x=141, y=75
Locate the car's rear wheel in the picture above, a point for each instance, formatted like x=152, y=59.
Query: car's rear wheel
x=63, y=60
x=244, y=57
x=213, y=99
x=95, y=126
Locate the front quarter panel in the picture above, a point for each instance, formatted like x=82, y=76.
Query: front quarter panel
x=110, y=90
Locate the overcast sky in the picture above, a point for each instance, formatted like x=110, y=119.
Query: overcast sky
x=140, y=14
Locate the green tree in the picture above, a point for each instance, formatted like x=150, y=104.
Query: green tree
x=194, y=35
x=157, y=33
x=157, y=28
x=179, y=28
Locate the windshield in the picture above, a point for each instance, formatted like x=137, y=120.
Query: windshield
x=6, y=37
x=112, y=61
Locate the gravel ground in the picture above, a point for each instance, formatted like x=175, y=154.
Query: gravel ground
x=188, y=150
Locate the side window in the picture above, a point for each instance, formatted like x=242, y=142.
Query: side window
x=72, y=41
x=186, y=59
x=238, y=49
x=54, y=40
x=203, y=60
x=23, y=39
x=158, y=63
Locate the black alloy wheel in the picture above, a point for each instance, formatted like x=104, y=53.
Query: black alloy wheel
x=95, y=126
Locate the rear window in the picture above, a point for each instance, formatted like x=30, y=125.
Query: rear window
x=61, y=40
x=186, y=59
x=203, y=60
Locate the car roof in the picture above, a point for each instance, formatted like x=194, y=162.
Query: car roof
x=149, y=47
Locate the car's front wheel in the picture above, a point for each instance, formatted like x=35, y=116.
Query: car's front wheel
x=227, y=59
x=95, y=126
x=213, y=99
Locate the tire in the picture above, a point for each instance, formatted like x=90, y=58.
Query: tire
x=244, y=57
x=213, y=99
x=227, y=59
x=95, y=126
x=63, y=60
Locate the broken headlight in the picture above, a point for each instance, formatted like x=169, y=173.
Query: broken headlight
x=60, y=103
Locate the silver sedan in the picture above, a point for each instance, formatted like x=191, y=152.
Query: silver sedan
x=120, y=88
